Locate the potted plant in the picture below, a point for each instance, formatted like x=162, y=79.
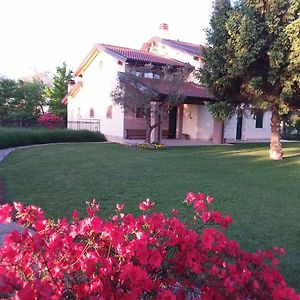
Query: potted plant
x=185, y=136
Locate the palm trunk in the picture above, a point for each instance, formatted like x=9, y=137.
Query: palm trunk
x=276, y=152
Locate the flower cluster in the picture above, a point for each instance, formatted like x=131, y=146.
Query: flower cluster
x=50, y=120
x=125, y=257
x=152, y=146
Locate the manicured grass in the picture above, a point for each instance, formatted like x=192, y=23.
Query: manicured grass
x=14, y=137
x=261, y=195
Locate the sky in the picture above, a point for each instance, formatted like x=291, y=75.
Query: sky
x=39, y=35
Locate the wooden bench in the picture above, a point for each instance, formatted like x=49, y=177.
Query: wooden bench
x=165, y=133
x=135, y=134
x=140, y=134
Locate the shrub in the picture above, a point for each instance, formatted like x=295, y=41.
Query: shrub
x=15, y=137
x=50, y=120
x=127, y=257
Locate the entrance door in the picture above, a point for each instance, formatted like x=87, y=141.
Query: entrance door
x=239, y=125
x=172, y=122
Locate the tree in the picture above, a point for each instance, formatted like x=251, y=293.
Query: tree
x=21, y=100
x=137, y=93
x=56, y=93
x=8, y=89
x=252, y=58
x=29, y=101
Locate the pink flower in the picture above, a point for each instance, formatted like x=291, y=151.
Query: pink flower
x=155, y=259
x=146, y=205
x=190, y=198
x=208, y=237
x=75, y=214
x=209, y=199
x=127, y=257
x=120, y=207
x=167, y=295
x=206, y=216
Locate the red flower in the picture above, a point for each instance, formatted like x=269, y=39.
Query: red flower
x=167, y=295
x=155, y=259
x=128, y=257
x=146, y=205
x=120, y=207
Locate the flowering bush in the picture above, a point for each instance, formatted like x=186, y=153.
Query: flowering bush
x=127, y=257
x=152, y=146
x=50, y=120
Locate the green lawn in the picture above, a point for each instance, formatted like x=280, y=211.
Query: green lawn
x=261, y=195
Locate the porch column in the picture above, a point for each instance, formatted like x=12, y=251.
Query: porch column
x=180, y=121
x=218, y=132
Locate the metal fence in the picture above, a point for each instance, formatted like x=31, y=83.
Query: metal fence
x=19, y=123
x=88, y=124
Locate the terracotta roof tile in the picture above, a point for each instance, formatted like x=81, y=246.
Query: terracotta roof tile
x=134, y=55
x=188, y=89
x=184, y=46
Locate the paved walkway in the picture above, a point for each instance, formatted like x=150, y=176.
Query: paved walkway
x=8, y=227
x=5, y=152
x=166, y=142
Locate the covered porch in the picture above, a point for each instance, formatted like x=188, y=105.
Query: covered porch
x=188, y=119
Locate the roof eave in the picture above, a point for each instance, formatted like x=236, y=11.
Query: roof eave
x=91, y=56
x=164, y=41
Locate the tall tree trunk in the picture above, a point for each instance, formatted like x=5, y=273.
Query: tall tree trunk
x=149, y=128
x=276, y=152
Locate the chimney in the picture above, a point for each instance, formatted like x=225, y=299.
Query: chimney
x=164, y=29
x=71, y=83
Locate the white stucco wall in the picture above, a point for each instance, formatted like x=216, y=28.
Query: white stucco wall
x=249, y=132
x=185, y=57
x=197, y=122
x=230, y=129
x=99, y=79
x=205, y=123
x=252, y=133
x=190, y=120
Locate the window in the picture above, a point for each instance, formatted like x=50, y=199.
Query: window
x=92, y=113
x=259, y=117
x=138, y=74
x=148, y=75
x=109, y=112
x=151, y=75
x=139, y=113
